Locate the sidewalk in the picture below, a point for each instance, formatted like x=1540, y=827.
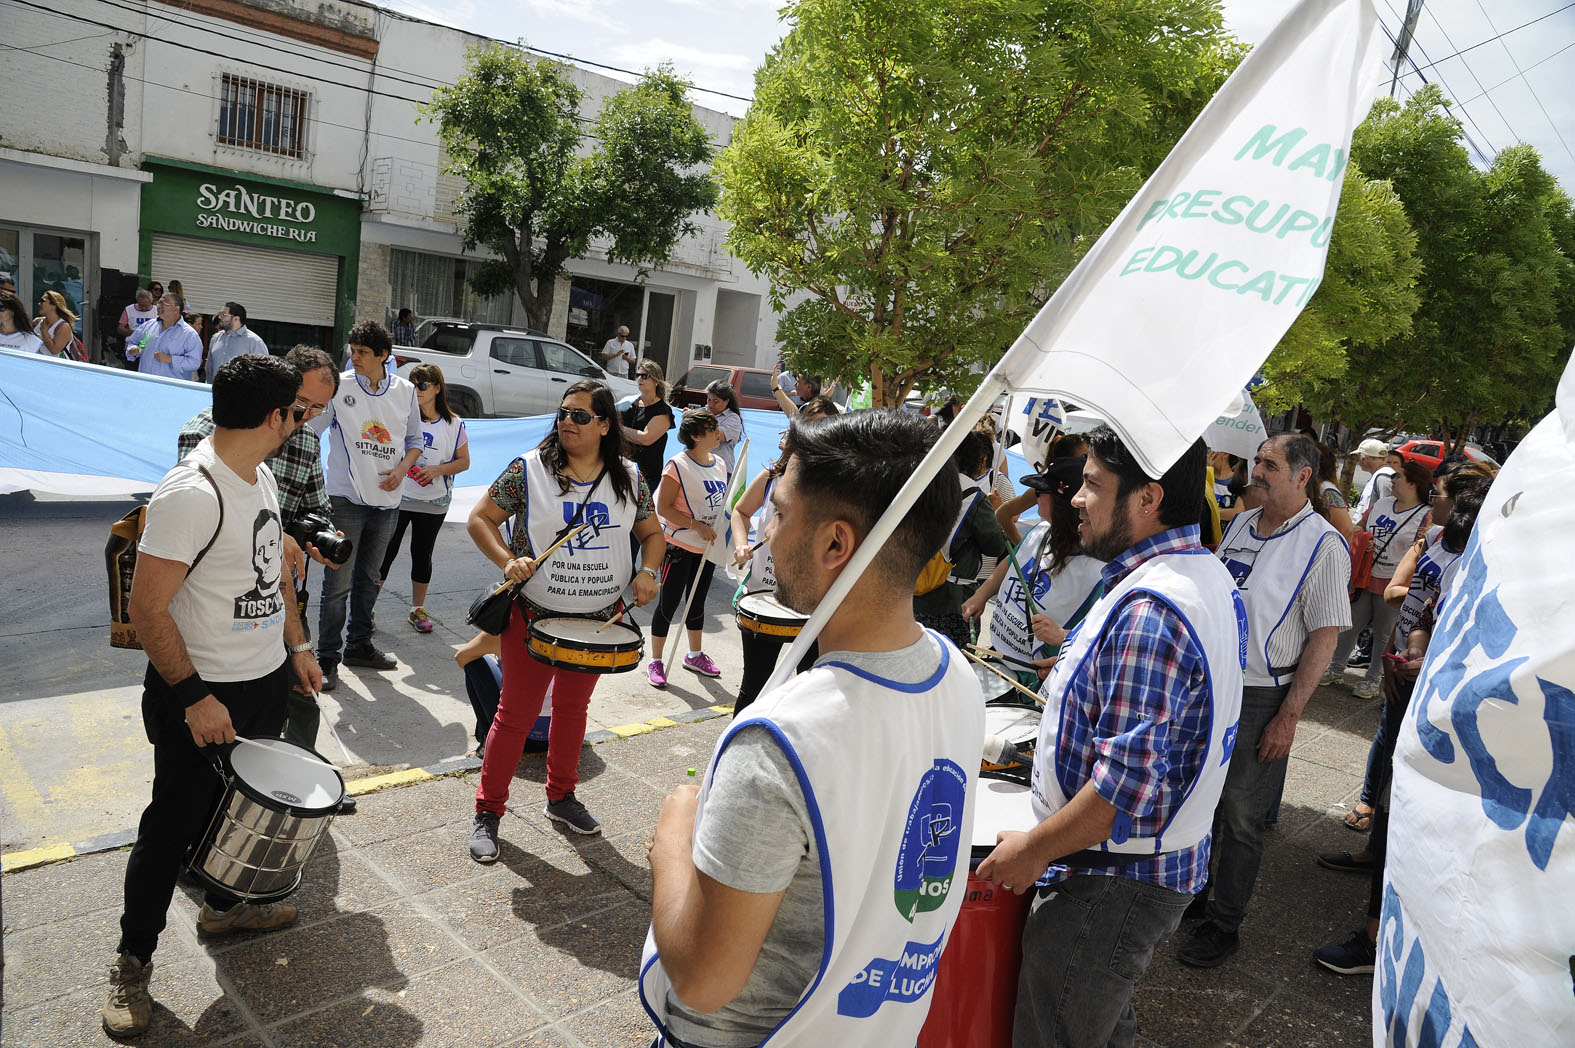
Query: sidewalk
x=404, y=941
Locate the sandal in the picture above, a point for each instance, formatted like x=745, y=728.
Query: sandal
x=1359, y=818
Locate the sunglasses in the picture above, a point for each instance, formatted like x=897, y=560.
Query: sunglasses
x=424, y=386
x=298, y=412
x=643, y=377
x=578, y=416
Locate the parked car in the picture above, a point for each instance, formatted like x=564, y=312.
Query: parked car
x=752, y=385
x=492, y=370
x=1431, y=452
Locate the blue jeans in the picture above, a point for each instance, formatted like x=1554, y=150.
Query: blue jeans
x=370, y=530
x=1250, y=789
x=1084, y=949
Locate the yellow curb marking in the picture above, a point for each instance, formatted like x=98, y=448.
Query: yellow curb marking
x=722, y=709
x=624, y=731
x=662, y=722
x=382, y=782
x=23, y=860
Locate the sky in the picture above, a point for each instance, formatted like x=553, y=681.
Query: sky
x=1511, y=89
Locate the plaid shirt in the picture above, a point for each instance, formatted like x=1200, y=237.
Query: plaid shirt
x=1140, y=716
x=298, y=467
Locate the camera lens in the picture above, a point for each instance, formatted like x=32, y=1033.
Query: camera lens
x=332, y=546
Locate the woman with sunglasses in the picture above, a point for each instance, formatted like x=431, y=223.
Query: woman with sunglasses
x=16, y=330
x=577, y=474
x=646, y=422
x=429, y=487
x=56, y=324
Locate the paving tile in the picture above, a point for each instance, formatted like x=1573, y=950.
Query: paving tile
x=440, y=857
x=407, y=810
x=189, y=1010
x=337, y=880
x=1183, y=1007
x=618, y=1023
x=78, y=887
x=620, y=802
x=529, y=892
x=58, y=958
x=461, y=1004
x=550, y=1037
x=658, y=752
x=293, y=971
x=1293, y=1021
x=621, y=859
x=570, y=967
x=1314, y=786
x=1336, y=748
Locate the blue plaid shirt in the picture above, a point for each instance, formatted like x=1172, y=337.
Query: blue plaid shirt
x=1138, y=719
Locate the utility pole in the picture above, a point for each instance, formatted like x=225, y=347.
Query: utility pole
x=116, y=117
x=1413, y=11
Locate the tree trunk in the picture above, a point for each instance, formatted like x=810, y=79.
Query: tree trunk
x=1463, y=434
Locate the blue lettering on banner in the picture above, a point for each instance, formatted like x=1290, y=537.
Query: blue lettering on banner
x=1477, y=622
x=1399, y=987
x=904, y=980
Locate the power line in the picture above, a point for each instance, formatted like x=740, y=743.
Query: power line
x=1533, y=90
x=1478, y=80
x=1528, y=69
x=1485, y=158
x=1489, y=40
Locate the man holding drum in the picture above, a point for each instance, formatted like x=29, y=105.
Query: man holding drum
x=1140, y=715
x=209, y=610
x=577, y=483
x=802, y=864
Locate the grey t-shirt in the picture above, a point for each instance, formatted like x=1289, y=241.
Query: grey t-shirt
x=756, y=836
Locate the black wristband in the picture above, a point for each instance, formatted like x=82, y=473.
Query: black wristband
x=191, y=691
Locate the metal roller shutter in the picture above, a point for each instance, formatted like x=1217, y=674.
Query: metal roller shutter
x=291, y=287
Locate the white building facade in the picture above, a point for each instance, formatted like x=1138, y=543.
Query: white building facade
x=270, y=152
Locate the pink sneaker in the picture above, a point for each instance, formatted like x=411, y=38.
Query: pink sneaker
x=701, y=663
x=657, y=675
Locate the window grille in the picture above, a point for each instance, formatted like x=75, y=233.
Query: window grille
x=263, y=116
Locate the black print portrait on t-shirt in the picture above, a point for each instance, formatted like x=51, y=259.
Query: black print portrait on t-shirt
x=263, y=600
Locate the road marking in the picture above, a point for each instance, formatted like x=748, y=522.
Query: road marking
x=624, y=731
x=382, y=782
x=23, y=860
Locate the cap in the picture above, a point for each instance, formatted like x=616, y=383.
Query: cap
x=1372, y=448
x=1061, y=478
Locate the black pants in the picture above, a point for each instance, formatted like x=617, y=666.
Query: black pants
x=1378, y=833
x=760, y=658
x=186, y=790
x=676, y=576
x=424, y=528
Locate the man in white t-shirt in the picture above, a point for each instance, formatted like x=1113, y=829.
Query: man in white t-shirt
x=618, y=354
x=373, y=428
x=224, y=645
x=1373, y=456
x=137, y=315
x=740, y=919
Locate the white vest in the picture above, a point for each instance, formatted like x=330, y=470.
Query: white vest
x=1270, y=572
x=140, y=318
x=894, y=838
x=439, y=441
x=1058, y=596
x=1426, y=584
x=1196, y=588
x=704, y=489
x=762, y=577
x=371, y=428
x=589, y=573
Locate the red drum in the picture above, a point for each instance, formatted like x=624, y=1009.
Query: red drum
x=976, y=980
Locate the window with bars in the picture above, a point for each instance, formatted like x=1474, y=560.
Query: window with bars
x=258, y=115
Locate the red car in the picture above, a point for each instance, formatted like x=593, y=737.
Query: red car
x=752, y=385
x=1431, y=452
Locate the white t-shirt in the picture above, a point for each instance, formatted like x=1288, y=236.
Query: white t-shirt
x=1393, y=532
x=26, y=341
x=230, y=610
x=613, y=358
x=441, y=440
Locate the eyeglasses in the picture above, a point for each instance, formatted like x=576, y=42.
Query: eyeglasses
x=302, y=410
x=298, y=412
x=578, y=416
x=424, y=386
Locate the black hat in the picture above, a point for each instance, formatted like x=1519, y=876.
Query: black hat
x=1061, y=478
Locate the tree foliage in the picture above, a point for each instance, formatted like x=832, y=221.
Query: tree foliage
x=539, y=186
x=915, y=177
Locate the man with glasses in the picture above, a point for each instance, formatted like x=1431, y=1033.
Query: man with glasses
x=232, y=339
x=298, y=468
x=224, y=646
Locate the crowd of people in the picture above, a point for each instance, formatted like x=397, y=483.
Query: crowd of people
x=1175, y=629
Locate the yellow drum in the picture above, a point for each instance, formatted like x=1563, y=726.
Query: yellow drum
x=760, y=613
x=586, y=645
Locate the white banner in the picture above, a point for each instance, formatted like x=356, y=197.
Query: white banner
x=1478, y=933
x=1237, y=432
x=1186, y=293
x=1037, y=421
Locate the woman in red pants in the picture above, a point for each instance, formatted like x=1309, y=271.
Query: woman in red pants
x=577, y=475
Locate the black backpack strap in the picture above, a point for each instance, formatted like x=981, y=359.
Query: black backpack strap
x=220, y=527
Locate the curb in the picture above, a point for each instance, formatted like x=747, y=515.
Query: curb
x=13, y=862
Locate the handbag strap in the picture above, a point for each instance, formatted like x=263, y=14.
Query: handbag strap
x=1378, y=555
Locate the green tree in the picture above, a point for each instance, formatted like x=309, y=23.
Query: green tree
x=535, y=195
x=915, y=177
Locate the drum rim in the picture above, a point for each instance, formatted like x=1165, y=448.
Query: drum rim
x=771, y=594
x=296, y=811
x=591, y=645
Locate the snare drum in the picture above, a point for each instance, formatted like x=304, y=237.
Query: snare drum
x=976, y=980
x=278, y=802
x=761, y=614
x=1017, y=725
x=586, y=645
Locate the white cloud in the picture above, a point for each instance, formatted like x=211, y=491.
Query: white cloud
x=650, y=52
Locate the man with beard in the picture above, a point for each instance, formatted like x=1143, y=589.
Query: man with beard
x=801, y=864
x=1294, y=573
x=224, y=645
x=1140, y=713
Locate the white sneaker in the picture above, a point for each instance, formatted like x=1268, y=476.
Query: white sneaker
x=1365, y=690
x=1330, y=677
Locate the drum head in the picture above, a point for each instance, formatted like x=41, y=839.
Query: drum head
x=765, y=606
x=991, y=684
x=1018, y=725
x=1001, y=805
x=286, y=776
x=583, y=632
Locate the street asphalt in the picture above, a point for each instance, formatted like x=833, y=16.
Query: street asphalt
x=403, y=940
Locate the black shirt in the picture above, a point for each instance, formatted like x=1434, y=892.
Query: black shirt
x=649, y=457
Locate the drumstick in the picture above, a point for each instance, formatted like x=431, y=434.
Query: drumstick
x=611, y=621
x=991, y=652
x=1010, y=680
x=550, y=550
x=304, y=759
x=335, y=732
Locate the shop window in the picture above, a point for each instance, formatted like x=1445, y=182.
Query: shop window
x=258, y=115
x=437, y=286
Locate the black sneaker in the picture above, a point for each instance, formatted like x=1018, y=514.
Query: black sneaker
x=371, y=658
x=330, y=675
x=1209, y=947
x=484, y=837
x=1358, y=660
x=1198, y=908
x=572, y=814
x=1356, y=956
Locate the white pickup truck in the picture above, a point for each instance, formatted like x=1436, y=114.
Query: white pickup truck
x=492, y=370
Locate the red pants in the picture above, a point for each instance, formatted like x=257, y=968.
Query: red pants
x=525, y=683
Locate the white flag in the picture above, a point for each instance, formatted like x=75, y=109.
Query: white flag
x=1237, y=432
x=1037, y=421
x=1184, y=296
x=720, y=551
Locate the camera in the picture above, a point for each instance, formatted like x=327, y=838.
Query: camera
x=319, y=531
